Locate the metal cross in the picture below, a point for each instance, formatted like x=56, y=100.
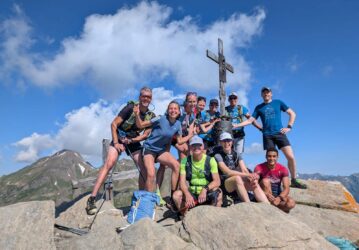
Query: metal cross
x=223, y=67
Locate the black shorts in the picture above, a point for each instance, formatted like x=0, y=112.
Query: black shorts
x=211, y=198
x=130, y=148
x=154, y=154
x=279, y=140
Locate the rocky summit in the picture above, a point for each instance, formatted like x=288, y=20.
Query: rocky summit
x=30, y=225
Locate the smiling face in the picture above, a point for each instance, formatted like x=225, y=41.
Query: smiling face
x=267, y=96
x=173, y=110
x=272, y=158
x=197, y=149
x=227, y=145
x=191, y=101
x=145, y=98
x=201, y=105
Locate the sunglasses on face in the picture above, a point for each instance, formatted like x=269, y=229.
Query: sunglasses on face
x=147, y=96
x=227, y=140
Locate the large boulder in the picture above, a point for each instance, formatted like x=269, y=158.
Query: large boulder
x=246, y=226
x=27, y=225
x=103, y=231
x=147, y=234
x=325, y=194
x=329, y=222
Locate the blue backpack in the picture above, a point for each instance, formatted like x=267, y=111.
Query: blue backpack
x=143, y=205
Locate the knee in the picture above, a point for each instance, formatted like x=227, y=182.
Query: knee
x=150, y=174
x=177, y=195
x=239, y=180
x=290, y=203
x=175, y=166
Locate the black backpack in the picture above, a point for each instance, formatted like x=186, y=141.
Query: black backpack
x=207, y=169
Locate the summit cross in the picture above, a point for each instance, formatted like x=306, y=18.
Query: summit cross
x=223, y=67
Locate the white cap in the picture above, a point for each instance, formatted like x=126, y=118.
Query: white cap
x=233, y=94
x=195, y=140
x=225, y=136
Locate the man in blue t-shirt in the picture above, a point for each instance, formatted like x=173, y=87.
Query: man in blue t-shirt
x=274, y=134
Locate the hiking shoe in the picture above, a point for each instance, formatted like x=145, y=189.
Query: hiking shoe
x=296, y=184
x=91, y=208
x=162, y=201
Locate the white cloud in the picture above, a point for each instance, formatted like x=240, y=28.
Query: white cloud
x=294, y=64
x=254, y=148
x=138, y=44
x=84, y=130
x=31, y=146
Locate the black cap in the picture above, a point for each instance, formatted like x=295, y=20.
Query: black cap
x=266, y=89
x=213, y=101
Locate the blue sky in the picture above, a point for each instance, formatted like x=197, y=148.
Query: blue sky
x=67, y=67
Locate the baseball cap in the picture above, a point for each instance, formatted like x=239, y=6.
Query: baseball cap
x=225, y=136
x=195, y=140
x=233, y=94
x=266, y=89
x=213, y=101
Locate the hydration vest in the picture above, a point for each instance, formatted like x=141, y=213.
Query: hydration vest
x=207, y=169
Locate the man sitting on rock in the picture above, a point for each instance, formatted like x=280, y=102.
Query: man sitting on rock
x=272, y=175
x=235, y=178
x=201, y=172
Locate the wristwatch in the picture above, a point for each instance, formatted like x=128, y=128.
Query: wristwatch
x=289, y=126
x=206, y=187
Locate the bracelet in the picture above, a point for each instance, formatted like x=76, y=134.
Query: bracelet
x=206, y=187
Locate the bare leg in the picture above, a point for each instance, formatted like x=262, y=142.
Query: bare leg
x=160, y=175
x=257, y=190
x=149, y=163
x=168, y=160
x=178, y=200
x=236, y=183
x=289, y=154
x=111, y=160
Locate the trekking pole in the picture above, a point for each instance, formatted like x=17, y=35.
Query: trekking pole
x=133, y=159
x=108, y=186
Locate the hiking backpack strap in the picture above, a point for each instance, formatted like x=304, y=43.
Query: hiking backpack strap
x=240, y=113
x=188, y=167
x=207, y=169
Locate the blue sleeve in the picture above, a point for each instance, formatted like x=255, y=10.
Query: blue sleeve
x=179, y=130
x=156, y=120
x=283, y=106
x=255, y=113
x=244, y=110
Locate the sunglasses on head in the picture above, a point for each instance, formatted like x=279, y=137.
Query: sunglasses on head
x=196, y=145
x=232, y=98
x=191, y=93
x=226, y=140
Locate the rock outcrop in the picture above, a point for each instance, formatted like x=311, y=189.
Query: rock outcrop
x=27, y=225
x=241, y=226
x=325, y=194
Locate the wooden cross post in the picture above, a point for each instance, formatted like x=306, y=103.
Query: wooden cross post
x=223, y=67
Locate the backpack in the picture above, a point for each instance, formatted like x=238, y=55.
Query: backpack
x=127, y=125
x=219, y=150
x=237, y=133
x=143, y=205
x=207, y=169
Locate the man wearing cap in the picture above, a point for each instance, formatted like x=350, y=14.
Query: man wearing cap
x=209, y=119
x=201, y=172
x=274, y=134
x=237, y=113
x=236, y=180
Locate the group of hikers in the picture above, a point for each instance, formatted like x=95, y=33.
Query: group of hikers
x=210, y=167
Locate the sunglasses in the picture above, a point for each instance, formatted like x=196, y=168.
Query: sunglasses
x=147, y=96
x=191, y=93
x=232, y=98
x=226, y=140
x=196, y=145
